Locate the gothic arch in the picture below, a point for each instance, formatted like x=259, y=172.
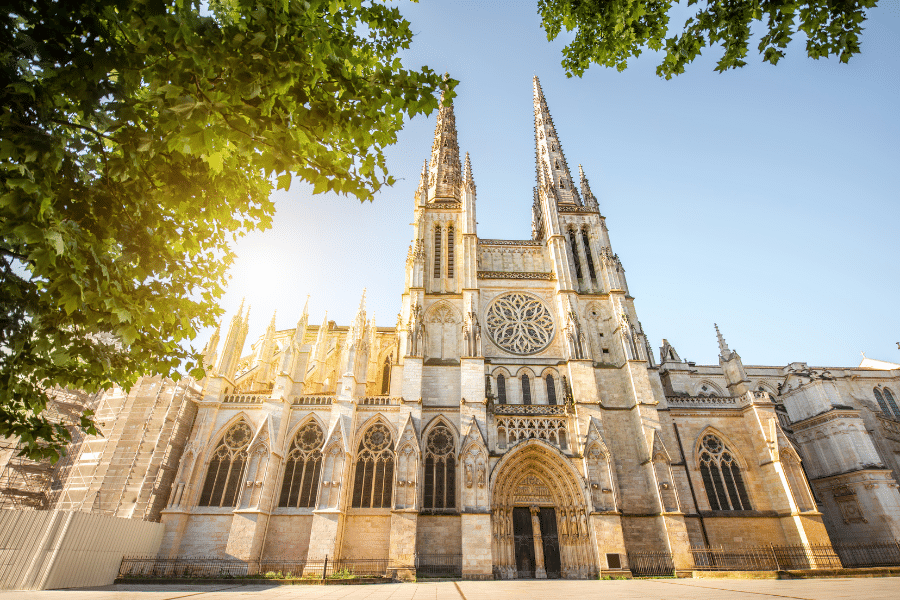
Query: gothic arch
x=292, y=432
x=360, y=431
x=300, y=472
x=225, y=463
x=217, y=438
x=443, y=323
x=534, y=473
x=713, y=389
x=723, y=472
x=441, y=419
x=710, y=430
x=767, y=386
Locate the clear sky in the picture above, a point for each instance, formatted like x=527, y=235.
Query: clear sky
x=764, y=199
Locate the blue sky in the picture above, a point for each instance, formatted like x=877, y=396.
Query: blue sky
x=764, y=199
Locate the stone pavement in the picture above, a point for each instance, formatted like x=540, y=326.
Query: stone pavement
x=885, y=588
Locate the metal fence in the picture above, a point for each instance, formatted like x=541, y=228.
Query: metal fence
x=869, y=554
x=651, y=564
x=438, y=565
x=766, y=558
x=225, y=568
x=798, y=557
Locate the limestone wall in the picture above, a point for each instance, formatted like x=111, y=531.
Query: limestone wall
x=288, y=537
x=439, y=534
x=367, y=534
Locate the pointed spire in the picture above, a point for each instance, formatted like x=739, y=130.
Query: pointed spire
x=300, y=331
x=444, y=169
x=724, y=351
x=548, y=151
x=422, y=190
x=209, y=353
x=589, y=200
x=234, y=343
x=468, y=181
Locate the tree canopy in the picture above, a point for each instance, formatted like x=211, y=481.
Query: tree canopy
x=609, y=32
x=138, y=140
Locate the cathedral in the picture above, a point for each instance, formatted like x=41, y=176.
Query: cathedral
x=516, y=415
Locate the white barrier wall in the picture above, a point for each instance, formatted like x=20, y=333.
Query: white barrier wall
x=52, y=549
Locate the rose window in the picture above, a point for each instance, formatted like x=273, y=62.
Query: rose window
x=519, y=323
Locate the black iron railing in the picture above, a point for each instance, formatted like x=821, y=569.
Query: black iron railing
x=798, y=557
x=869, y=554
x=438, y=565
x=651, y=564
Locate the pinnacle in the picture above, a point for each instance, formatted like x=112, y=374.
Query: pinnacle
x=723, y=346
x=468, y=181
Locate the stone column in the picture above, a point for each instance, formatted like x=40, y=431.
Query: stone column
x=539, y=571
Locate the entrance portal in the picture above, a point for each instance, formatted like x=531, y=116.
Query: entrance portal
x=539, y=518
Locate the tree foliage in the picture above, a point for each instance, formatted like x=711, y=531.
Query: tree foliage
x=138, y=140
x=609, y=32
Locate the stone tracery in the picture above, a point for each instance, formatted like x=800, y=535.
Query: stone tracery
x=520, y=323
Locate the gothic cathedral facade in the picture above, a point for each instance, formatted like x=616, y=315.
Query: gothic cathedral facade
x=515, y=415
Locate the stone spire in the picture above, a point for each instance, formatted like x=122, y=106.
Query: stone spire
x=209, y=353
x=302, y=324
x=266, y=354
x=444, y=170
x=468, y=181
x=549, y=154
x=589, y=200
x=422, y=190
x=234, y=343
x=724, y=351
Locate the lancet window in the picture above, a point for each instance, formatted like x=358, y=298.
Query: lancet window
x=587, y=252
x=501, y=389
x=437, y=251
x=450, y=251
x=887, y=403
x=722, y=476
x=372, y=485
x=226, y=468
x=551, y=390
x=440, y=470
x=386, y=377
x=526, y=390
x=302, y=468
x=573, y=243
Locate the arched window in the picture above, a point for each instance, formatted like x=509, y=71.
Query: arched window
x=501, y=389
x=302, y=467
x=450, y=251
x=889, y=398
x=386, y=377
x=881, y=403
x=526, y=390
x=573, y=243
x=587, y=252
x=437, y=252
x=440, y=470
x=226, y=468
x=372, y=486
x=551, y=390
x=722, y=476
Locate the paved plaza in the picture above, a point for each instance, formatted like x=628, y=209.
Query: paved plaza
x=886, y=588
